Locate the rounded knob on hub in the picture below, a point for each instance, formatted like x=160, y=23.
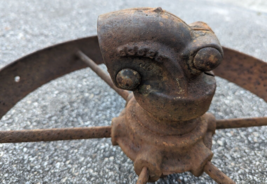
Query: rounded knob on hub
x=128, y=79
x=207, y=59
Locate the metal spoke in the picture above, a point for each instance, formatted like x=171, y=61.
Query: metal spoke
x=216, y=174
x=239, y=123
x=124, y=94
x=143, y=177
x=54, y=134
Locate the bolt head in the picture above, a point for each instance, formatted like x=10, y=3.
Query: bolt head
x=207, y=59
x=128, y=79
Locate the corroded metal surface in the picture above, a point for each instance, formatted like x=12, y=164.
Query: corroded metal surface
x=163, y=55
x=216, y=174
x=54, y=134
x=128, y=79
x=244, y=70
x=168, y=147
x=143, y=177
x=162, y=127
x=41, y=67
x=238, y=123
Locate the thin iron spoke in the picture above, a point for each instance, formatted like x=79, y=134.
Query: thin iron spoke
x=54, y=134
x=143, y=177
x=217, y=175
x=239, y=123
x=124, y=94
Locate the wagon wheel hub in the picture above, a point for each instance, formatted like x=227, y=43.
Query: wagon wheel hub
x=164, y=62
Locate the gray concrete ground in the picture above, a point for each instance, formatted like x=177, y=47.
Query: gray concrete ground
x=258, y=5
x=82, y=99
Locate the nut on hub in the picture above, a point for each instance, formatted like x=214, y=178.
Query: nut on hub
x=207, y=59
x=128, y=79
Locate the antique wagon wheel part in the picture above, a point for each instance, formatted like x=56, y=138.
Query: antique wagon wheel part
x=43, y=66
x=143, y=177
x=249, y=73
x=54, y=134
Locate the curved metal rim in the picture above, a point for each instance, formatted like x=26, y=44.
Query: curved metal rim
x=41, y=67
x=246, y=71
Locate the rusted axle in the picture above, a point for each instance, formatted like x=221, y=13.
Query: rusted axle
x=143, y=177
x=54, y=134
x=239, y=123
x=217, y=175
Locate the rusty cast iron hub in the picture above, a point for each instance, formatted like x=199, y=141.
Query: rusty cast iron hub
x=164, y=62
x=168, y=65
